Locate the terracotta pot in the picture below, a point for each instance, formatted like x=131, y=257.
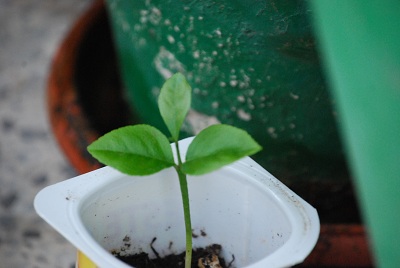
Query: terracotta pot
x=340, y=245
x=76, y=97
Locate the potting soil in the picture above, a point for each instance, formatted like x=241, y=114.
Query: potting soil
x=208, y=257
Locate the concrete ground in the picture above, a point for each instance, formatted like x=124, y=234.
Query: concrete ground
x=30, y=159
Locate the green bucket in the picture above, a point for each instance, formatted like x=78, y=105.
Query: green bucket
x=252, y=64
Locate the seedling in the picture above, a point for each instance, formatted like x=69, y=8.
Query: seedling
x=144, y=150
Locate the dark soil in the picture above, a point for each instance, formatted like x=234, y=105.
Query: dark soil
x=142, y=260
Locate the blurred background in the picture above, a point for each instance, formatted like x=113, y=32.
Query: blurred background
x=288, y=71
x=30, y=32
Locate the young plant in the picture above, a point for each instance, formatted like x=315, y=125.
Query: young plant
x=144, y=150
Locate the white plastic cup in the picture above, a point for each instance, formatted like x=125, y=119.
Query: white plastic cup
x=241, y=207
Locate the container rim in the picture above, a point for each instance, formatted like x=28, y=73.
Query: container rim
x=59, y=205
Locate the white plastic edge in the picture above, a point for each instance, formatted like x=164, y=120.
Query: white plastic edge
x=62, y=213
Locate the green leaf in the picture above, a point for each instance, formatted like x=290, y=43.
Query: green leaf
x=216, y=146
x=134, y=150
x=174, y=103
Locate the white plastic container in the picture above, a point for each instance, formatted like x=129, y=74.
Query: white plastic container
x=241, y=207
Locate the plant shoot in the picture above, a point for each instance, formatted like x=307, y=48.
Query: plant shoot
x=144, y=150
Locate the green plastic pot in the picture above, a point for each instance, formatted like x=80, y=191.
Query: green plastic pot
x=252, y=64
x=360, y=41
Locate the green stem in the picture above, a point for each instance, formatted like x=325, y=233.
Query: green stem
x=186, y=208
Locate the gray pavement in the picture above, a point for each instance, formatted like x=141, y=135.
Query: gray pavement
x=30, y=159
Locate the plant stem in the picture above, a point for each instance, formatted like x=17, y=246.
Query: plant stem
x=186, y=208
